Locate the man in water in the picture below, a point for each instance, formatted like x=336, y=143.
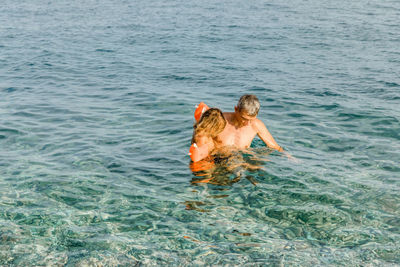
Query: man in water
x=242, y=126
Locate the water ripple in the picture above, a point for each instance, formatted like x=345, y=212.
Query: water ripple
x=97, y=113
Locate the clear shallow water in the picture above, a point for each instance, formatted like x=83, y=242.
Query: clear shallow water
x=96, y=104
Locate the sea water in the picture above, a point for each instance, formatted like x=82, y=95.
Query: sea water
x=96, y=115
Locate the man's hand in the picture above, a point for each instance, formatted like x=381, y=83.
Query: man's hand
x=290, y=157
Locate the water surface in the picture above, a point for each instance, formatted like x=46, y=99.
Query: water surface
x=96, y=114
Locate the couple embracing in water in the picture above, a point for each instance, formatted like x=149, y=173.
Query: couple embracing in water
x=216, y=131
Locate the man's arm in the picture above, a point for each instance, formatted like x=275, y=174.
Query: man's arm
x=265, y=136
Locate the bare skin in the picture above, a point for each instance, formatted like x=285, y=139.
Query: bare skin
x=238, y=134
x=241, y=129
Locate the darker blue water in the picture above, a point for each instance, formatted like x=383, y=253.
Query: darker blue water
x=96, y=106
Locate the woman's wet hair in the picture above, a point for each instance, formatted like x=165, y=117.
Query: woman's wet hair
x=211, y=123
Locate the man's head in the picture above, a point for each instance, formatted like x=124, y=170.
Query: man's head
x=247, y=109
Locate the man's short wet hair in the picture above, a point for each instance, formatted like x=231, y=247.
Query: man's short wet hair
x=249, y=104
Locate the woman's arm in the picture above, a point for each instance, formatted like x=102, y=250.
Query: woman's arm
x=201, y=148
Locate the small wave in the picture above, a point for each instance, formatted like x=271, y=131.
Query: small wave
x=10, y=89
x=390, y=84
x=10, y=131
x=176, y=77
x=104, y=50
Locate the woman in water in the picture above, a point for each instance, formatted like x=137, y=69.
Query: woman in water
x=205, y=132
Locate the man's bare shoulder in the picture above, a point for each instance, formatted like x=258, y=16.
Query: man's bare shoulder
x=258, y=121
x=258, y=124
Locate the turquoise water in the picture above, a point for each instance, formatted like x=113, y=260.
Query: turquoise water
x=96, y=105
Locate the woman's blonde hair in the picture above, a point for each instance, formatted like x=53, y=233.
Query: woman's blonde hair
x=211, y=123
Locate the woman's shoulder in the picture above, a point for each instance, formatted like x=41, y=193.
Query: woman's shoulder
x=202, y=139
